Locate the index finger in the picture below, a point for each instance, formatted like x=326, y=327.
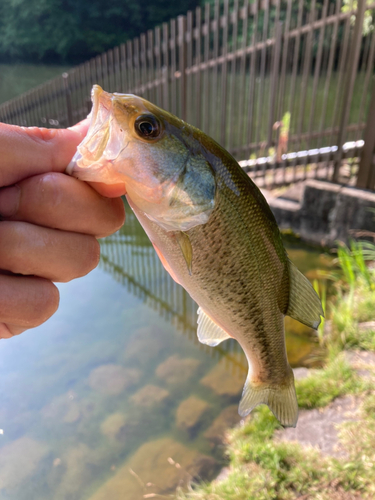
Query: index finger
x=30, y=151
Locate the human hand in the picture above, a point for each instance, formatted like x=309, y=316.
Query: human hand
x=49, y=222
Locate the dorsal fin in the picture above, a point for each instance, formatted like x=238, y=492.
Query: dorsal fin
x=208, y=331
x=304, y=303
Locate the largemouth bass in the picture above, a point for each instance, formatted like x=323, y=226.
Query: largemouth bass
x=213, y=231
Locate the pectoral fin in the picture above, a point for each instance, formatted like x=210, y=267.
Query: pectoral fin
x=186, y=248
x=304, y=303
x=208, y=331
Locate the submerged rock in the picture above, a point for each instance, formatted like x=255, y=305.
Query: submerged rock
x=19, y=460
x=191, y=414
x=223, y=381
x=156, y=468
x=227, y=419
x=176, y=370
x=150, y=395
x=113, y=425
x=113, y=379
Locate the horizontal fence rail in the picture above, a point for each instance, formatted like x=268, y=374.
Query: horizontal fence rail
x=264, y=79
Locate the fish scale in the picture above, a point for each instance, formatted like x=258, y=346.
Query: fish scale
x=213, y=231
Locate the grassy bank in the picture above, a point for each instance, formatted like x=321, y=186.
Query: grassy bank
x=261, y=466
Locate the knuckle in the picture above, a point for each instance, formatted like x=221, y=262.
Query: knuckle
x=89, y=256
x=116, y=216
x=48, y=189
x=93, y=254
x=47, y=302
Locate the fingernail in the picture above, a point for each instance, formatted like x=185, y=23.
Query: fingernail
x=9, y=200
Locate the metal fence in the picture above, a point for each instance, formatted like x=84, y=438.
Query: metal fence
x=283, y=85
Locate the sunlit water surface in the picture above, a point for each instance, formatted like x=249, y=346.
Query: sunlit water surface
x=17, y=78
x=114, y=398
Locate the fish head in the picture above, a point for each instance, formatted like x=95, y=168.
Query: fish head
x=156, y=155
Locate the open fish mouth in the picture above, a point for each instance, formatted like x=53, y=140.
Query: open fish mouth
x=103, y=143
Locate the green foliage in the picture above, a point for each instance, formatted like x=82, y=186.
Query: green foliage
x=368, y=22
x=70, y=30
x=355, y=300
x=323, y=386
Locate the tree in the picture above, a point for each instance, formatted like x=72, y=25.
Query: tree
x=74, y=30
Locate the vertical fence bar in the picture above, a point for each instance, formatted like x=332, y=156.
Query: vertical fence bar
x=173, y=67
x=273, y=83
x=143, y=73
x=317, y=68
x=365, y=177
x=368, y=75
x=305, y=75
x=68, y=98
x=198, y=57
x=110, y=72
x=190, y=118
x=260, y=103
x=151, y=66
x=232, y=119
x=216, y=29
x=349, y=86
x=207, y=18
x=241, y=106
x=166, y=78
x=137, y=67
x=182, y=64
x=330, y=66
x=124, y=86
x=251, y=93
x=117, y=70
x=224, y=76
x=158, y=73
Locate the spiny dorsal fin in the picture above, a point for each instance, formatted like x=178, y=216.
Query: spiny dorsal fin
x=186, y=248
x=208, y=331
x=304, y=303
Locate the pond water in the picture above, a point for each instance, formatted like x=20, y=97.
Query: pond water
x=15, y=79
x=114, y=398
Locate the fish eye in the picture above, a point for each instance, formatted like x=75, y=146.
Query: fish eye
x=147, y=126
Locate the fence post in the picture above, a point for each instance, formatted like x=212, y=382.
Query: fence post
x=68, y=97
x=366, y=174
x=274, y=81
x=351, y=73
x=182, y=63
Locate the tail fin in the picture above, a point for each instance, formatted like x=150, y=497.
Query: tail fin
x=280, y=398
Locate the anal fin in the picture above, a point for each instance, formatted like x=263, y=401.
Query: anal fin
x=208, y=331
x=304, y=303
